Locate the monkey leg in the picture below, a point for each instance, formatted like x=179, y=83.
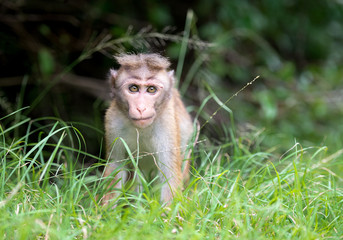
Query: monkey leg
x=117, y=183
x=170, y=175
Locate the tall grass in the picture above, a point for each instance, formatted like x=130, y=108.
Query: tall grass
x=235, y=191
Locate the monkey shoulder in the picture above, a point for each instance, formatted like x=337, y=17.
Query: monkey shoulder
x=180, y=107
x=184, y=119
x=115, y=119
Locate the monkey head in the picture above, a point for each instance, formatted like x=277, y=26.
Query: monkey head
x=141, y=90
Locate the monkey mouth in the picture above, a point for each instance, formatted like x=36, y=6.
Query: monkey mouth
x=142, y=119
x=143, y=122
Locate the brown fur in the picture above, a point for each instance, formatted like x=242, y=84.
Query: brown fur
x=153, y=61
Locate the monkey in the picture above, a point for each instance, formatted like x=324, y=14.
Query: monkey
x=147, y=113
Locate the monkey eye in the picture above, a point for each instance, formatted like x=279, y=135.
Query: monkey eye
x=133, y=88
x=151, y=89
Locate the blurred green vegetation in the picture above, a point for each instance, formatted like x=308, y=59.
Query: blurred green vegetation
x=294, y=46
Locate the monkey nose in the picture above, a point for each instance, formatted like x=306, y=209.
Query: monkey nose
x=141, y=109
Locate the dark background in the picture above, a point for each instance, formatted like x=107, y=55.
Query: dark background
x=55, y=55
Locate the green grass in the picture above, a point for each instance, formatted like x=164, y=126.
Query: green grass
x=236, y=191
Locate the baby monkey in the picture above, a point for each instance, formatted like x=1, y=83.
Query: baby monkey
x=148, y=114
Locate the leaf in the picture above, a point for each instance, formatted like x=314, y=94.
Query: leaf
x=46, y=62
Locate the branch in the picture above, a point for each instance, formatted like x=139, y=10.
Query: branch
x=92, y=86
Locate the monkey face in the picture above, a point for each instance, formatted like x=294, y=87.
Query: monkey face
x=143, y=95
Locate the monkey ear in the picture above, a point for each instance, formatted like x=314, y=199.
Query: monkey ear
x=112, y=77
x=171, y=73
x=171, y=76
